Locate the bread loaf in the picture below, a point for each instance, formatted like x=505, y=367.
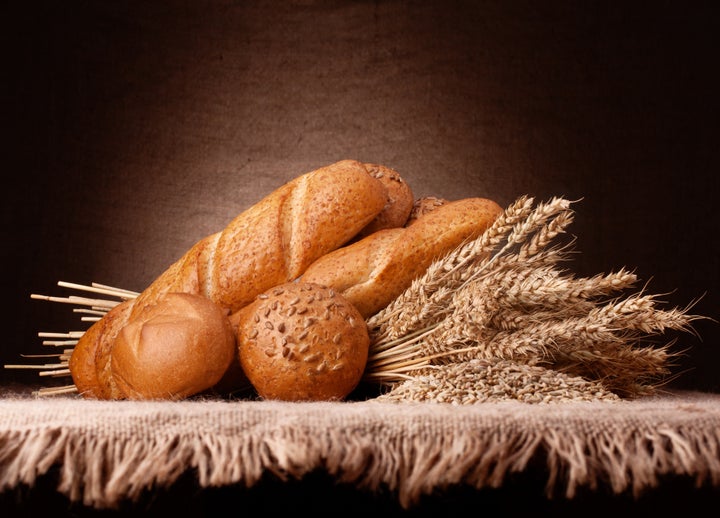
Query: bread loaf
x=371, y=272
x=422, y=206
x=270, y=243
x=180, y=346
x=302, y=342
x=276, y=239
x=399, y=203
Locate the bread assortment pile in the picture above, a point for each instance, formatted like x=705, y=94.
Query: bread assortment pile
x=279, y=298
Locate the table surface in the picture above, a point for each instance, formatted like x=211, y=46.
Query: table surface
x=109, y=454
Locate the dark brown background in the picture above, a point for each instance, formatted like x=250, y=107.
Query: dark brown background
x=133, y=129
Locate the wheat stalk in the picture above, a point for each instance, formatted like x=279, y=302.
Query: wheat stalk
x=481, y=381
x=503, y=297
x=95, y=307
x=425, y=298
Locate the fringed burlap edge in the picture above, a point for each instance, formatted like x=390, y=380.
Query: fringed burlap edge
x=110, y=452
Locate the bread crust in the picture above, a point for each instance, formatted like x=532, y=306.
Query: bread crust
x=375, y=270
x=89, y=359
x=302, y=342
x=423, y=206
x=180, y=346
x=400, y=200
x=276, y=239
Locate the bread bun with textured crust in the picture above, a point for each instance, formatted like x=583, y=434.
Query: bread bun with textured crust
x=302, y=342
x=177, y=347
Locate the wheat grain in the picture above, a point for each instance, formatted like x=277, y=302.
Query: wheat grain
x=482, y=381
x=503, y=298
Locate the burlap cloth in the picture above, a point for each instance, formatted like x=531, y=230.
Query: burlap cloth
x=107, y=453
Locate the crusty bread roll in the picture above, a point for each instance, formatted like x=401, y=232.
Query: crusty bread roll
x=302, y=342
x=371, y=272
x=159, y=354
x=180, y=346
x=399, y=204
x=270, y=243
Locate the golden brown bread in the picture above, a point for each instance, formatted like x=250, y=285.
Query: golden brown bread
x=270, y=243
x=276, y=239
x=169, y=338
x=89, y=361
x=371, y=272
x=180, y=346
x=302, y=342
x=399, y=204
x=422, y=206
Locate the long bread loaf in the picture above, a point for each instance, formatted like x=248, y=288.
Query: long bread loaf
x=272, y=242
x=375, y=270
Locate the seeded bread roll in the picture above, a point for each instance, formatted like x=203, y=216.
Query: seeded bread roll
x=302, y=342
x=180, y=346
x=372, y=272
x=270, y=243
x=399, y=203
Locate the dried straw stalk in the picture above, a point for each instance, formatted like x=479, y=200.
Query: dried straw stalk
x=504, y=298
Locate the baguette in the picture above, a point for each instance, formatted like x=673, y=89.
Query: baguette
x=276, y=239
x=370, y=273
x=270, y=243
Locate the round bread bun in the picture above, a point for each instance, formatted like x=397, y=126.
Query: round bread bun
x=176, y=348
x=400, y=200
x=302, y=342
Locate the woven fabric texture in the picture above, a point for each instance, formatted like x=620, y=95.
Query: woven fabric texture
x=111, y=452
